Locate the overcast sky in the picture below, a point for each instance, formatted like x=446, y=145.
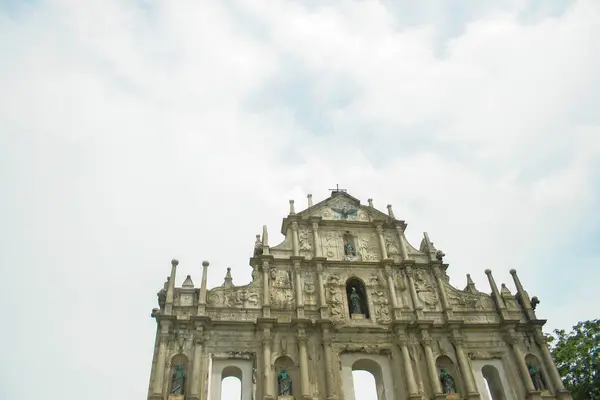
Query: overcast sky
x=136, y=131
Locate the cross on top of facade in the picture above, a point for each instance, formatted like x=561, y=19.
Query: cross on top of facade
x=337, y=189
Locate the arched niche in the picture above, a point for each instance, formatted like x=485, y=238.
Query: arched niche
x=286, y=363
x=536, y=372
x=445, y=363
x=356, y=286
x=494, y=382
x=179, y=359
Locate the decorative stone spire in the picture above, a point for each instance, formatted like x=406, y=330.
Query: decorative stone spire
x=390, y=212
x=171, y=287
x=370, y=201
x=188, y=282
x=265, y=241
x=504, y=291
x=470, y=285
x=228, y=279
x=202, y=299
x=292, y=209
x=309, y=198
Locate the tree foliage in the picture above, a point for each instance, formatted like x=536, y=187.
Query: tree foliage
x=577, y=356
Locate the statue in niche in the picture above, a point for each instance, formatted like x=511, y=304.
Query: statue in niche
x=177, y=388
x=349, y=249
x=448, y=384
x=355, y=306
x=536, y=377
x=284, y=384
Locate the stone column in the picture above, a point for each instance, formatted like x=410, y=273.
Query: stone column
x=431, y=367
x=202, y=298
x=266, y=289
x=391, y=287
x=500, y=306
x=525, y=301
x=437, y=272
x=295, y=244
x=465, y=367
x=171, y=288
x=316, y=241
x=411, y=384
x=267, y=380
x=196, y=374
x=413, y=292
x=299, y=293
x=304, y=383
x=382, y=248
x=403, y=250
x=329, y=368
x=321, y=283
x=520, y=360
x=551, y=367
x=157, y=387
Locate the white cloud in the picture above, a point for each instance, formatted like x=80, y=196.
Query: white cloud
x=136, y=132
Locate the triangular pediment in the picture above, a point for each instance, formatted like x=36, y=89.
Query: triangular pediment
x=341, y=206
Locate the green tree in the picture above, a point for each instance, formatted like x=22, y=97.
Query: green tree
x=577, y=356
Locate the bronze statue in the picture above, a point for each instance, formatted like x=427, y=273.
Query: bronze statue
x=349, y=249
x=448, y=384
x=536, y=377
x=178, y=381
x=355, y=306
x=284, y=383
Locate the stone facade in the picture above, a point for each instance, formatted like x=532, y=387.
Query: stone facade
x=405, y=324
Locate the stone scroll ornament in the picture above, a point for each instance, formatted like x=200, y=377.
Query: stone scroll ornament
x=178, y=385
x=284, y=384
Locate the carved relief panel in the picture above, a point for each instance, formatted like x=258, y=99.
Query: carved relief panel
x=426, y=291
x=248, y=296
x=350, y=246
x=282, y=290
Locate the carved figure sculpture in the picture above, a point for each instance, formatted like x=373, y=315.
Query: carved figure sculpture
x=440, y=255
x=284, y=384
x=536, y=377
x=448, y=384
x=349, y=249
x=178, y=381
x=346, y=211
x=355, y=306
x=534, y=302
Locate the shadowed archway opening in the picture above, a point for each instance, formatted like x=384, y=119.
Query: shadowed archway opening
x=493, y=382
x=367, y=379
x=231, y=383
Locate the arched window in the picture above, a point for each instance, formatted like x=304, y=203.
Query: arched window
x=493, y=382
x=357, y=298
x=367, y=379
x=231, y=383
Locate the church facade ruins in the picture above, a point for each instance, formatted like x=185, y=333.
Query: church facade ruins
x=346, y=291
